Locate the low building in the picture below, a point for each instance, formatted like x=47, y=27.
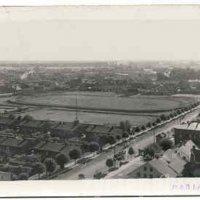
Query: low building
x=186, y=149
x=64, y=130
x=12, y=145
x=5, y=122
x=168, y=165
x=30, y=126
x=188, y=131
x=5, y=176
x=52, y=148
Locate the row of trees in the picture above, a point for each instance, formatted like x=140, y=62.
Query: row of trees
x=50, y=164
x=111, y=161
x=149, y=153
x=165, y=117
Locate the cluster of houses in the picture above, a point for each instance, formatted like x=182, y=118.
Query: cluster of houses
x=182, y=160
x=35, y=140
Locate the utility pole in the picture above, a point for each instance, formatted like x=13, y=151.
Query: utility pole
x=76, y=121
x=154, y=136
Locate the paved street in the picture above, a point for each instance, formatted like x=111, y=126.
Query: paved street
x=98, y=163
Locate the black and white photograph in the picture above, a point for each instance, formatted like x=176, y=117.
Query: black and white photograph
x=90, y=93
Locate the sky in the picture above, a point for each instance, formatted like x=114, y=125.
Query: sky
x=82, y=34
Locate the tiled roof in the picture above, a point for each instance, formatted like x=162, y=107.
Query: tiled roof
x=174, y=161
x=185, y=149
x=52, y=146
x=162, y=167
x=189, y=126
x=32, y=124
x=155, y=147
x=6, y=120
x=12, y=142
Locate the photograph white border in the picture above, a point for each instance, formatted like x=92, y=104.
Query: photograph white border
x=101, y=188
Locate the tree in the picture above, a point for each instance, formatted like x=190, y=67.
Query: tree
x=111, y=140
x=23, y=176
x=74, y=154
x=11, y=116
x=27, y=118
x=118, y=137
x=61, y=160
x=171, y=115
x=99, y=175
x=39, y=168
x=46, y=126
x=175, y=113
x=158, y=120
x=17, y=170
x=163, y=117
x=148, y=153
x=50, y=165
x=94, y=146
x=137, y=129
x=125, y=125
x=166, y=144
x=131, y=151
x=81, y=176
x=149, y=124
x=188, y=170
x=103, y=140
x=154, y=123
x=125, y=135
x=109, y=162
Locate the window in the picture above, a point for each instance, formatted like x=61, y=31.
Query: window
x=151, y=169
x=145, y=176
x=138, y=174
x=145, y=168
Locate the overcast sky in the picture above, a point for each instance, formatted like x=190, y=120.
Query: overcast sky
x=100, y=34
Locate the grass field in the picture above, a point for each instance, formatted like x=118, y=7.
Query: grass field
x=109, y=100
x=102, y=100
x=91, y=118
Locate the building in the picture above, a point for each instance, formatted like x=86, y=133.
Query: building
x=11, y=145
x=170, y=164
x=5, y=176
x=186, y=149
x=188, y=131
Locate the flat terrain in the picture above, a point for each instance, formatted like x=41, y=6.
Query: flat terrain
x=140, y=142
x=107, y=100
x=102, y=100
x=87, y=117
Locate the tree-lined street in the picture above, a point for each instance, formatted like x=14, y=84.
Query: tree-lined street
x=140, y=141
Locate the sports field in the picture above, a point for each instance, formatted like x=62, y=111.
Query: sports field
x=108, y=101
x=103, y=100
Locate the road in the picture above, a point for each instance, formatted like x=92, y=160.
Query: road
x=140, y=142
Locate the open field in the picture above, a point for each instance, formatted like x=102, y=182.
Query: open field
x=139, y=103
x=90, y=118
x=108, y=101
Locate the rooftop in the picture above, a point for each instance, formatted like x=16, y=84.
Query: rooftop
x=161, y=166
x=189, y=126
x=174, y=161
x=51, y=146
x=185, y=149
